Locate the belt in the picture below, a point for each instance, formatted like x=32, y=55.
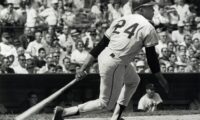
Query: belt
x=112, y=55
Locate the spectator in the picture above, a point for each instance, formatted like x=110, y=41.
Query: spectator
x=193, y=66
x=94, y=68
x=164, y=55
x=140, y=66
x=59, y=69
x=127, y=8
x=163, y=67
x=196, y=44
x=68, y=15
x=173, y=17
x=171, y=46
x=181, y=58
x=9, y=17
x=95, y=9
x=35, y=45
x=162, y=42
x=190, y=52
x=31, y=100
x=187, y=41
x=68, y=52
x=178, y=35
x=51, y=69
x=11, y=59
x=182, y=9
x=6, y=69
x=26, y=37
x=20, y=51
x=79, y=4
x=21, y=67
x=161, y=17
x=88, y=40
x=197, y=34
x=115, y=11
x=31, y=68
x=47, y=43
x=6, y=47
x=150, y=101
x=65, y=39
x=49, y=60
x=181, y=48
x=181, y=67
x=172, y=60
x=32, y=15
x=50, y=15
x=56, y=57
x=170, y=69
x=22, y=13
x=79, y=54
x=66, y=64
x=141, y=55
x=40, y=59
x=188, y=28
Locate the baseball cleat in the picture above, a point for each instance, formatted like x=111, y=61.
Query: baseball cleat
x=58, y=113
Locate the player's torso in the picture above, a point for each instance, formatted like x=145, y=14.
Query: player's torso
x=126, y=35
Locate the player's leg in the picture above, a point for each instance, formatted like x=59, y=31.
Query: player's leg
x=112, y=74
x=131, y=82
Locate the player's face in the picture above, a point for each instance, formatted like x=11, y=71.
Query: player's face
x=150, y=93
x=148, y=12
x=33, y=100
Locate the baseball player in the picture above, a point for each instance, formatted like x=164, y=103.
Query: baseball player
x=122, y=41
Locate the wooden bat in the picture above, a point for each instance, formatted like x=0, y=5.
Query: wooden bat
x=44, y=102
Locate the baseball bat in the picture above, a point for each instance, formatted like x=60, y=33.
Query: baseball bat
x=44, y=102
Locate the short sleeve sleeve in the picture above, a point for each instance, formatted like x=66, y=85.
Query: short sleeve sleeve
x=150, y=36
x=141, y=104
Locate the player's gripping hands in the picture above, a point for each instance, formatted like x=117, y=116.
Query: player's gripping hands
x=81, y=73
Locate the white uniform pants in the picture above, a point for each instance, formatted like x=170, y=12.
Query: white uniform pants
x=118, y=83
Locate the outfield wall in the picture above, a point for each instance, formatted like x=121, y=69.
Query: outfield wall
x=14, y=88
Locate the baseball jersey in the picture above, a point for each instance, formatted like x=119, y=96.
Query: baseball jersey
x=149, y=104
x=129, y=34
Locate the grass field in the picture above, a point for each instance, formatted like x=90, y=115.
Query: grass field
x=159, y=115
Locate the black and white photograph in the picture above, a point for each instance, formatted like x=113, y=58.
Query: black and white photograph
x=99, y=59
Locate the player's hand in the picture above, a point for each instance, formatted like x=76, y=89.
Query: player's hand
x=80, y=74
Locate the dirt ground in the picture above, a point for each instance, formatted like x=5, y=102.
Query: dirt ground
x=161, y=117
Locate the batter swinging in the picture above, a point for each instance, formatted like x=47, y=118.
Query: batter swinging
x=122, y=41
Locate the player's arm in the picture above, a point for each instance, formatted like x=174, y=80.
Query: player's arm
x=155, y=66
x=94, y=53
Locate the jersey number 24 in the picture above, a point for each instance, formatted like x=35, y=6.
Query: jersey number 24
x=130, y=30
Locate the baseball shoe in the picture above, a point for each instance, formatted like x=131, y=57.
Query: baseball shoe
x=58, y=113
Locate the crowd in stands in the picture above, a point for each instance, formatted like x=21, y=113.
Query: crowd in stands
x=55, y=36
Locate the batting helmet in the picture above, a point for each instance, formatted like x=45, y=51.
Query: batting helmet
x=140, y=3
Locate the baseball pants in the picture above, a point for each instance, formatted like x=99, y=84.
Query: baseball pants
x=118, y=83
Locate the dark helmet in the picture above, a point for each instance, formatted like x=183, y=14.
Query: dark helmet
x=140, y=3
